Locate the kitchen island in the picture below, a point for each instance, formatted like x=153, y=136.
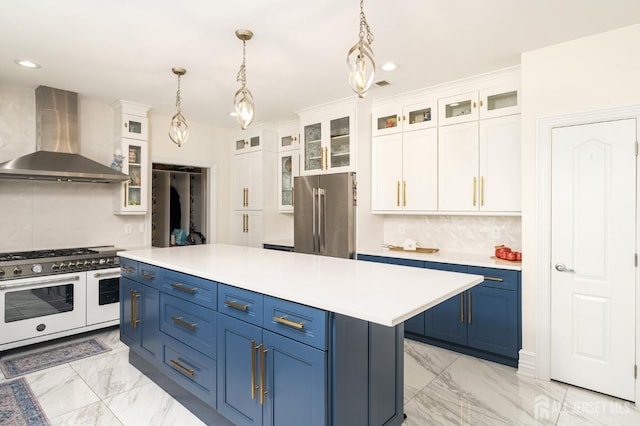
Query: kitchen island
x=268, y=337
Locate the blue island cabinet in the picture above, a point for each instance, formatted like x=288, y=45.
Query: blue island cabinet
x=139, y=309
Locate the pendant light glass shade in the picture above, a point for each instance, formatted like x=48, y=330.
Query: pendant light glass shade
x=243, y=100
x=179, y=130
x=360, y=61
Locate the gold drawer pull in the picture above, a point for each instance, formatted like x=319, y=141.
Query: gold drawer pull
x=134, y=308
x=253, y=369
x=461, y=307
x=284, y=321
x=148, y=276
x=235, y=305
x=493, y=279
x=182, y=368
x=263, y=381
x=128, y=269
x=180, y=321
x=190, y=290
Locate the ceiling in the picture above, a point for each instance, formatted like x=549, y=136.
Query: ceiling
x=124, y=49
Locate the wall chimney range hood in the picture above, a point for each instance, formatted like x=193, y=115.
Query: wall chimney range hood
x=56, y=157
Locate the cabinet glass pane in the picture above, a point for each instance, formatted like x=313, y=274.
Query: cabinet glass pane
x=387, y=122
x=502, y=100
x=134, y=126
x=135, y=156
x=420, y=116
x=134, y=175
x=240, y=144
x=133, y=195
x=286, y=141
x=312, y=147
x=457, y=109
x=340, y=142
x=287, y=180
x=254, y=141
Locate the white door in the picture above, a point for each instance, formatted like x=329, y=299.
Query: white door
x=420, y=170
x=386, y=173
x=458, y=167
x=592, y=256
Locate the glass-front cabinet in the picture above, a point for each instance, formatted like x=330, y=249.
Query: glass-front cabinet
x=288, y=168
x=402, y=118
x=133, y=193
x=328, y=145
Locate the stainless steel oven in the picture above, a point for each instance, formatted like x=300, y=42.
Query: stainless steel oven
x=48, y=294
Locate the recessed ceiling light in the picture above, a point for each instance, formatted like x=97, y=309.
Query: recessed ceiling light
x=232, y=114
x=389, y=66
x=27, y=63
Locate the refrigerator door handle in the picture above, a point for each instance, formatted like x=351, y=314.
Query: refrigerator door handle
x=322, y=206
x=314, y=219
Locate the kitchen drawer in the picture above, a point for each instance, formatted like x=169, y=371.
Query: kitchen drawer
x=242, y=304
x=190, y=369
x=188, y=287
x=149, y=275
x=129, y=268
x=373, y=258
x=299, y=322
x=497, y=278
x=191, y=324
x=407, y=262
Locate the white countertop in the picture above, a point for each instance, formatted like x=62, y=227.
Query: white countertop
x=446, y=257
x=377, y=292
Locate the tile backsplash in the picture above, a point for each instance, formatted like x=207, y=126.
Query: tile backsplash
x=460, y=234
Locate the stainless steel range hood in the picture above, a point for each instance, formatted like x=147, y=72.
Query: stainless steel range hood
x=56, y=157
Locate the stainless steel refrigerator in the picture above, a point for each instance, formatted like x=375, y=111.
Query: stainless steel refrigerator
x=324, y=214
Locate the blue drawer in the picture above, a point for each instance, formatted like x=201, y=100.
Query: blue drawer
x=190, y=369
x=129, y=268
x=188, y=287
x=298, y=322
x=149, y=275
x=242, y=304
x=373, y=258
x=497, y=278
x=191, y=324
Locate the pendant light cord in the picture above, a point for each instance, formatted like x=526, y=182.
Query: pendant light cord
x=178, y=95
x=364, y=25
x=242, y=73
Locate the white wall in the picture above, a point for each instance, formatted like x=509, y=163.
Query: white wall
x=39, y=215
x=591, y=73
x=209, y=147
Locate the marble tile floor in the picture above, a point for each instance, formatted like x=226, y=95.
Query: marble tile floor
x=441, y=388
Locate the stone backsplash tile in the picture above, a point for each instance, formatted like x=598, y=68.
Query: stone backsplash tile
x=461, y=234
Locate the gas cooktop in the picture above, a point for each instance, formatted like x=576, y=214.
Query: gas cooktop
x=56, y=261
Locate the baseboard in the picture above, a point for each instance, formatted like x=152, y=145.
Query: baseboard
x=527, y=363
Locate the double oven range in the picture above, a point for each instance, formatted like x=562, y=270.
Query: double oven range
x=46, y=294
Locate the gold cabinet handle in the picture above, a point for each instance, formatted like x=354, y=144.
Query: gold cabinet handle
x=182, y=368
x=126, y=193
x=470, y=304
x=128, y=269
x=148, y=276
x=398, y=194
x=474, y=104
x=253, y=369
x=263, y=382
x=461, y=307
x=404, y=193
x=190, y=290
x=480, y=103
x=247, y=197
x=180, y=321
x=481, y=190
x=475, y=182
x=493, y=279
x=134, y=308
x=235, y=305
x=284, y=321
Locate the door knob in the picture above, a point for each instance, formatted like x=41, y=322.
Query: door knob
x=561, y=267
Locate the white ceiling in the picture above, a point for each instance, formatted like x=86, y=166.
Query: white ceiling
x=125, y=49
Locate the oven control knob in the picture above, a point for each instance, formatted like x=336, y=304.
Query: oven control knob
x=86, y=264
x=55, y=267
x=109, y=261
x=37, y=268
x=78, y=264
x=94, y=262
x=17, y=271
x=1, y=272
x=71, y=265
x=62, y=265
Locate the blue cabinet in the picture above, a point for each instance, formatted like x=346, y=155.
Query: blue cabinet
x=139, y=316
x=266, y=378
x=484, y=321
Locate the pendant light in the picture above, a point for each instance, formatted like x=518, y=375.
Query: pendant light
x=362, y=66
x=243, y=100
x=179, y=130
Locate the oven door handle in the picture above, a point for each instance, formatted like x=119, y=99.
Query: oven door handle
x=107, y=274
x=51, y=281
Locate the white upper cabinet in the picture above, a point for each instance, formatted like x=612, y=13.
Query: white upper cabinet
x=458, y=108
x=289, y=136
x=499, y=101
x=288, y=169
x=130, y=121
x=399, y=118
x=493, y=102
x=405, y=172
x=328, y=141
